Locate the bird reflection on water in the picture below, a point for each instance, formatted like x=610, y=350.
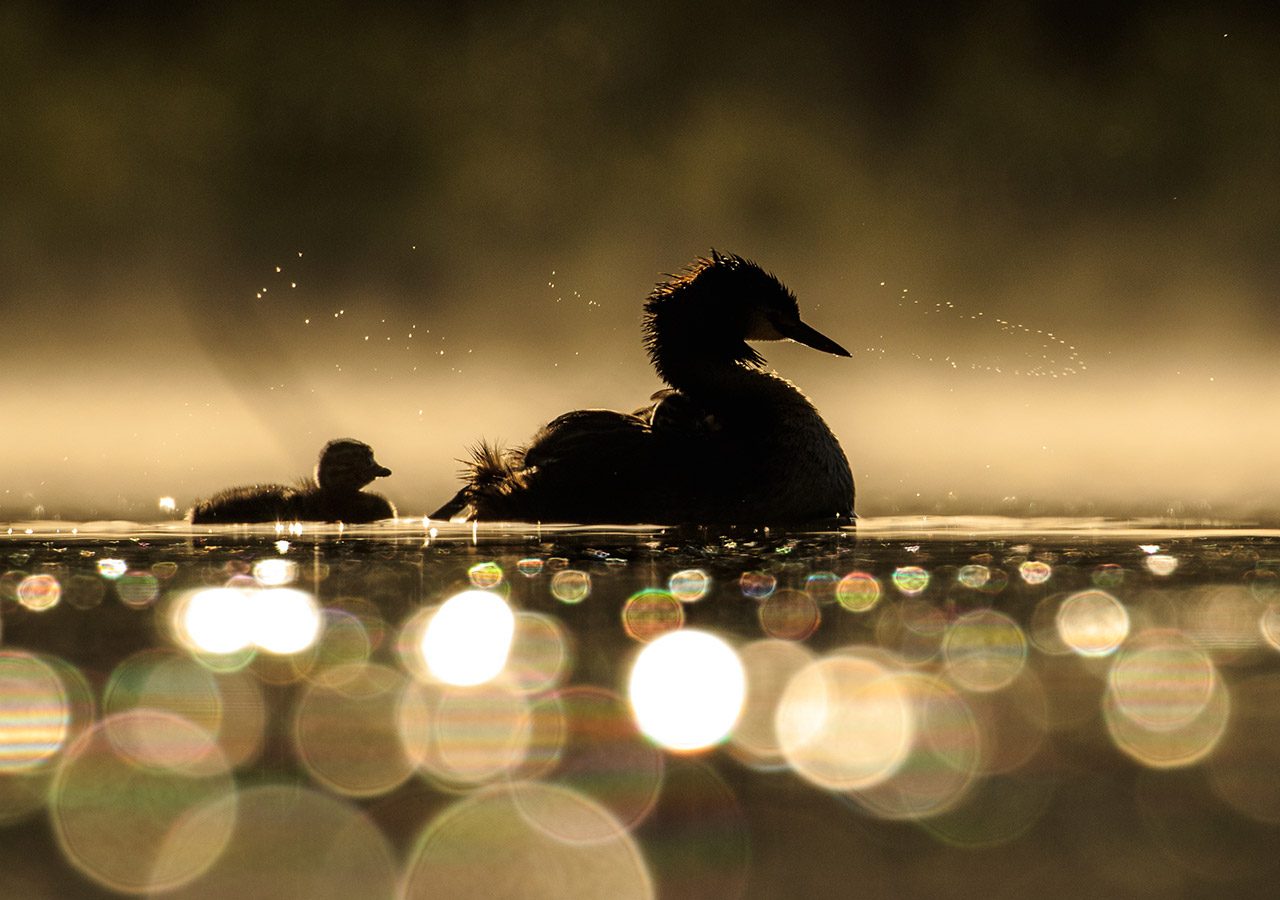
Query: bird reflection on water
x=334, y=494
x=729, y=442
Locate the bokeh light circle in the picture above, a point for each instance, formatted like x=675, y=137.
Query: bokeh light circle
x=217, y=620
x=571, y=586
x=35, y=712
x=115, y=813
x=689, y=585
x=858, y=592
x=789, y=615
x=911, y=580
x=1161, y=681
x=481, y=733
x=530, y=567
x=346, y=730
x=162, y=680
x=541, y=653
x=83, y=591
x=485, y=576
x=757, y=585
x=39, y=592
x=137, y=589
x=164, y=569
x=111, y=569
x=650, y=613
x=1167, y=748
x=1224, y=620
x=911, y=628
x=462, y=737
x=845, y=722
x=687, y=688
x=496, y=842
x=285, y=620
x=275, y=571
x=984, y=650
x=1092, y=623
x=290, y=841
x=821, y=586
x=973, y=575
x=1162, y=564
x=468, y=639
x=1034, y=571
x=344, y=641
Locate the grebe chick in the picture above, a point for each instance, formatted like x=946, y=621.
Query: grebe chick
x=729, y=443
x=333, y=494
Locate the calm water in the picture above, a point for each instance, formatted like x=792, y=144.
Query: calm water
x=943, y=708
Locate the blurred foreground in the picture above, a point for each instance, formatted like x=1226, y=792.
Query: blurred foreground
x=927, y=707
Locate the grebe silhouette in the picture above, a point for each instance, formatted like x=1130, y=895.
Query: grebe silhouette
x=729, y=443
x=333, y=495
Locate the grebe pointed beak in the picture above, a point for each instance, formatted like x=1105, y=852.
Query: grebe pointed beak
x=811, y=337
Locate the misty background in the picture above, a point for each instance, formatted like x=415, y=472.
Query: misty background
x=1049, y=233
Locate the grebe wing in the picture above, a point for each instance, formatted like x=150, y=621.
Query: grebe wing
x=588, y=466
x=588, y=435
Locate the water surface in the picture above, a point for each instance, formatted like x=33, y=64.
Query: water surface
x=946, y=707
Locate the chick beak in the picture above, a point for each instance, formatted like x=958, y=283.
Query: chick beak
x=379, y=471
x=811, y=337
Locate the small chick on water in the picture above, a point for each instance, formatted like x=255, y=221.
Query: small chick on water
x=333, y=494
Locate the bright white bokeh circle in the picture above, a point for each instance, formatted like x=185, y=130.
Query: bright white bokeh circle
x=686, y=689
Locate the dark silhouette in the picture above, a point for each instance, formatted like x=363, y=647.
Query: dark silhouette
x=333, y=495
x=730, y=443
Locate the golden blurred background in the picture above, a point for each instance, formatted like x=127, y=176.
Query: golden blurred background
x=1047, y=232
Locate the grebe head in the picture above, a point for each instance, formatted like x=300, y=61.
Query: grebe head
x=720, y=303
x=347, y=465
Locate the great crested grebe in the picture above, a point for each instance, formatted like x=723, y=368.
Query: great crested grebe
x=729, y=443
x=333, y=495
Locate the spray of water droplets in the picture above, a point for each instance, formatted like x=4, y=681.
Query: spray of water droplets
x=1040, y=353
